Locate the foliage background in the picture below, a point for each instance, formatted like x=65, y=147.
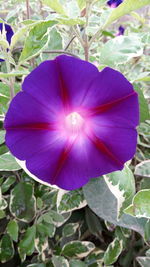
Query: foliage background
x=95, y=225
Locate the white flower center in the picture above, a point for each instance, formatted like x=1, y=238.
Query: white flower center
x=74, y=123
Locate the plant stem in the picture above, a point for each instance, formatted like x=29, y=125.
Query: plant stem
x=28, y=9
x=86, y=43
x=97, y=34
x=69, y=43
x=77, y=33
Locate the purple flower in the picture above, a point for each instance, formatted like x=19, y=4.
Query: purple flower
x=114, y=3
x=121, y=30
x=9, y=33
x=71, y=122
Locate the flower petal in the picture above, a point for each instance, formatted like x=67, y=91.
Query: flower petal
x=44, y=86
x=28, y=126
x=121, y=141
x=76, y=76
x=124, y=113
x=84, y=160
x=109, y=86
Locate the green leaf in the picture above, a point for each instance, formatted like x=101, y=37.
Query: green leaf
x=7, y=183
x=70, y=229
x=124, y=48
x=70, y=200
x=8, y=163
x=143, y=169
x=6, y=248
x=3, y=202
x=22, y=202
x=95, y=259
x=144, y=110
x=55, y=5
x=140, y=206
x=36, y=40
x=46, y=229
x=93, y=222
x=59, y=261
x=101, y=200
x=113, y=251
x=2, y=136
x=77, y=249
x=55, y=41
x=122, y=186
x=20, y=34
x=125, y=8
x=41, y=243
x=12, y=230
x=26, y=245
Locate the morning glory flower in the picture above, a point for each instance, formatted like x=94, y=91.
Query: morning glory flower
x=114, y=3
x=121, y=30
x=71, y=123
x=9, y=32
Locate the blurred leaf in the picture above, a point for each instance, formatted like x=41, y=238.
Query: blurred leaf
x=55, y=5
x=143, y=77
x=77, y=249
x=70, y=21
x=2, y=136
x=22, y=202
x=2, y=214
x=122, y=186
x=6, y=248
x=36, y=40
x=13, y=74
x=70, y=200
x=125, y=8
x=143, y=261
x=140, y=206
x=60, y=261
x=81, y=3
x=8, y=163
x=26, y=245
x=37, y=265
x=144, y=110
x=12, y=230
x=7, y=183
x=147, y=232
x=113, y=251
x=76, y=263
x=143, y=169
x=101, y=200
x=124, y=48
